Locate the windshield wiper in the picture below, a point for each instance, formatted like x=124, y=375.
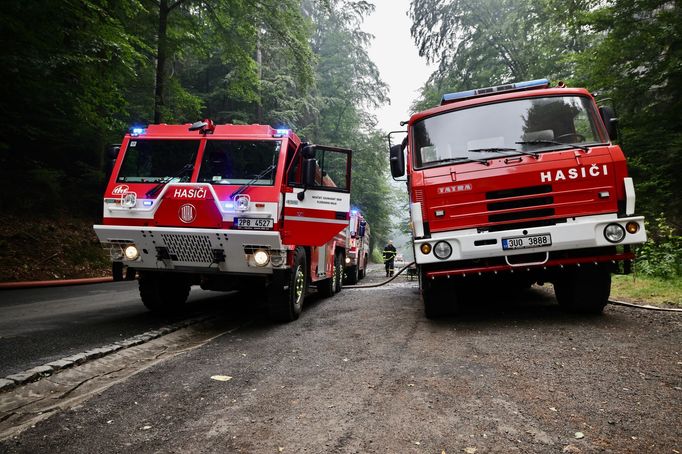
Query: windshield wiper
x=456, y=159
x=552, y=142
x=243, y=187
x=153, y=191
x=502, y=150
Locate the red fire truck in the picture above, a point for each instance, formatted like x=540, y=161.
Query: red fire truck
x=357, y=253
x=517, y=184
x=228, y=207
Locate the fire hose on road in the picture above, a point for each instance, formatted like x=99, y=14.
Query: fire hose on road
x=614, y=302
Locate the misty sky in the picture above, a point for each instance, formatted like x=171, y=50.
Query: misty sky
x=396, y=56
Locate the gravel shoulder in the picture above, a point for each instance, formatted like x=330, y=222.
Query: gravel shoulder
x=365, y=371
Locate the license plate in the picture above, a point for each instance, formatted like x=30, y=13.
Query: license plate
x=523, y=242
x=254, y=223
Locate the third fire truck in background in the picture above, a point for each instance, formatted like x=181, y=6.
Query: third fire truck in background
x=358, y=250
x=228, y=207
x=516, y=184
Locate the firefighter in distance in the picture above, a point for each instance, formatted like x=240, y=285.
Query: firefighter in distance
x=389, y=258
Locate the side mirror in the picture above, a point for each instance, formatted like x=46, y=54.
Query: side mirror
x=309, y=172
x=113, y=150
x=608, y=116
x=397, y=161
x=308, y=152
x=361, y=230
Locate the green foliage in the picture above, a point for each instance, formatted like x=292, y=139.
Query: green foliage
x=75, y=74
x=487, y=42
x=661, y=255
x=637, y=61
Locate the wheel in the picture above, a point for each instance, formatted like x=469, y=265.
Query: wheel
x=584, y=291
x=288, y=289
x=574, y=135
x=130, y=274
x=338, y=272
x=163, y=293
x=352, y=275
x=432, y=296
x=362, y=272
x=325, y=287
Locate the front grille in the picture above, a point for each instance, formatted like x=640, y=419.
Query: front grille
x=522, y=203
x=518, y=192
x=188, y=247
x=517, y=215
x=505, y=200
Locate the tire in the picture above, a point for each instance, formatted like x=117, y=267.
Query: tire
x=285, y=304
x=325, y=287
x=433, y=297
x=163, y=293
x=584, y=291
x=352, y=275
x=338, y=272
x=362, y=272
x=130, y=274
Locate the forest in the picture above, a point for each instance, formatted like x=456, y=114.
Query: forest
x=75, y=75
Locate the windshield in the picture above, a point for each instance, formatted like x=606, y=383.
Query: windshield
x=240, y=162
x=153, y=161
x=506, y=128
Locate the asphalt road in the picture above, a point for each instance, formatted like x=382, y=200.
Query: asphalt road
x=365, y=371
x=45, y=324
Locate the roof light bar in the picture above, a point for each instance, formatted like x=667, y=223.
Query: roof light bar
x=527, y=85
x=137, y=131
x=281, y=132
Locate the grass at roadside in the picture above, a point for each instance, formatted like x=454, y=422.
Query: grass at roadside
x=649, y=290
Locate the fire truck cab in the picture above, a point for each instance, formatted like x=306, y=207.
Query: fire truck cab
x=358, y=250
x=517, y=184
x=228, y=207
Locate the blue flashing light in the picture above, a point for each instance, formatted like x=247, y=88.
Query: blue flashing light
x=228, y=205
x=526, y=85
x=137, y=131
x=148, y=203
x=282, y=132
x=354, y=212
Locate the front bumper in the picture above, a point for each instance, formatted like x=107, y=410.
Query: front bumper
x=196, y=250
x=577, y=233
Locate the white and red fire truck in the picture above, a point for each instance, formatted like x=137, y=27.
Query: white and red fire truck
x=228, y=207
x=516, y=184
x=358, y=251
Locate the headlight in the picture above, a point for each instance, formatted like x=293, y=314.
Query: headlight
x=129, y=200
x=261, y=257
x=614, y=233
x=425, y=248
x=347, y=260
x=131, y=253
x=442, y=250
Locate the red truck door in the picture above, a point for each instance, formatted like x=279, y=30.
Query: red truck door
x=317, y=209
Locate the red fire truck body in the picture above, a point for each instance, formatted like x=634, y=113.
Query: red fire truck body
x=518, y=184
x=228, y=207
x=358, y=251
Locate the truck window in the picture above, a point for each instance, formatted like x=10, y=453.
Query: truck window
x=239, y=161
x=333, y=169
x=151, y=161
x=451, y=135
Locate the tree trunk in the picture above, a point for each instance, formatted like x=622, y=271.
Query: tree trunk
x=161, y=57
